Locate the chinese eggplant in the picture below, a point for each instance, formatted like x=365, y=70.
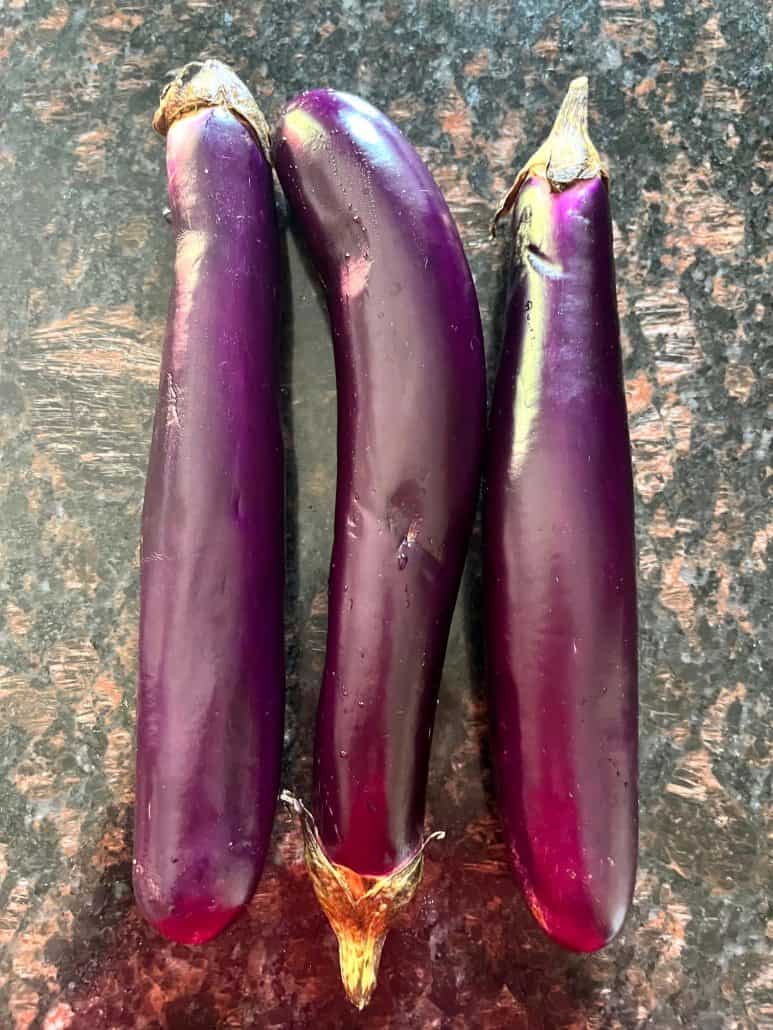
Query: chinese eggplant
x=211, y=652
x=560, y=565
x=411, y=420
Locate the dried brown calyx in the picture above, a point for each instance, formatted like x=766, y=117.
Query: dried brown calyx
x=210, y=83
x=567, y=155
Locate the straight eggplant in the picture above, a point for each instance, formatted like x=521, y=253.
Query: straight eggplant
x=560, y=563
x=211, y=678
x=411, y=417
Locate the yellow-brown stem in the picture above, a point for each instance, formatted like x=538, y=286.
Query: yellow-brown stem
x=210, y=84
x=360, y=909
x=566, y=156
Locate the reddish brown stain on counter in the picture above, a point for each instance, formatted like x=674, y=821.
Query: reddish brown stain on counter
x=56, y=20
x=121, y=21
x=30, y=707
x=111, y=849
x=507, y=151
x=710, y=42
x=652, y=447
x=455, y=120
x=51, y=110
x=119, y=764
x=728, y=293
x=693, y=778
x=699, y=215
x=624, y=22
x=638, y=393
x=723, y=97
x=23, y=1006
x=664, y=319
x=714, y=726
x=548, y=46
x=60, y=1017
x=477, y=64
x=403, y=109
x=740, y=380
x=676, y=595
x=90, y=150
x=7, y=37
x=760, y=545
x=17, y=620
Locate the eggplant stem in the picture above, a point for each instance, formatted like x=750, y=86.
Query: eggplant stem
x=567, y=155
x=360, y=909
x=210, y=83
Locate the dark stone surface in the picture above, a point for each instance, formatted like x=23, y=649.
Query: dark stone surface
x=680, y=98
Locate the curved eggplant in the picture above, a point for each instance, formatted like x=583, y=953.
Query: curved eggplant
x=560, y=563
x=411, y=419
x=211, y=677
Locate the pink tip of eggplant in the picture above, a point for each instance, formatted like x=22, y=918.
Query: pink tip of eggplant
x=572, y=913
x=191, y=923
x=579, y=934
x=192, y=913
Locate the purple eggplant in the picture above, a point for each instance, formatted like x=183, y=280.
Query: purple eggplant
x=560, y=562
x=211, y=653
x=411, y=419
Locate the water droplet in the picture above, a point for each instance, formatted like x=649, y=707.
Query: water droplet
x=360, y=703
x=343, y=754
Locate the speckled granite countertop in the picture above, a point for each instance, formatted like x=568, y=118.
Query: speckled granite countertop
x=680, y=98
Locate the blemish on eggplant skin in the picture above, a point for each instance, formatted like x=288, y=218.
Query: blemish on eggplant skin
x=402, y=554
x=173, y=402
x=407, y=542
x=542, y=264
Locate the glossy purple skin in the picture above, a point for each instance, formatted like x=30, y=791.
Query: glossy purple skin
x=411, y=418
x=560, y=572
x=211, y=680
